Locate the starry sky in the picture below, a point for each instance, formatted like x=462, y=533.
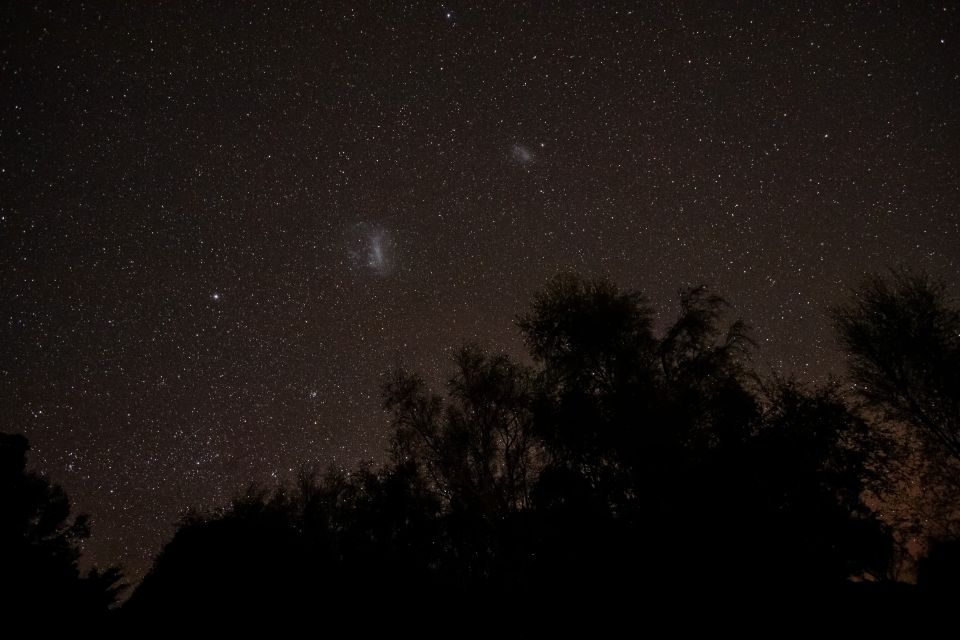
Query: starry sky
x=221, y=222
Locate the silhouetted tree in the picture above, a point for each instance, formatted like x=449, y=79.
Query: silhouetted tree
x=809, y=465
x=902, y=337
x=477, y=448
x=620, y=457
x=625, y=409
x=595, y=346
x=40, y=582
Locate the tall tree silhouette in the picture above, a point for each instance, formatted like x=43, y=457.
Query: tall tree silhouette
x=902, y=335
x=595, y=346
x=40, y=581
x=478, y=448
x=622, y=407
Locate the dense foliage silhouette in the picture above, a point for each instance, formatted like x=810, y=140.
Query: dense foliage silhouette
x=617, y=462
x=902, y=336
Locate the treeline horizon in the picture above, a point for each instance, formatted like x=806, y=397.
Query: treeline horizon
x=621, y=460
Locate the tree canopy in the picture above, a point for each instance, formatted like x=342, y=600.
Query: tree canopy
x=902, y=335
x=619, y=451
x=615, y=452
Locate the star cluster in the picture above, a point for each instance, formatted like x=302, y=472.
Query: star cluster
x=221, y=222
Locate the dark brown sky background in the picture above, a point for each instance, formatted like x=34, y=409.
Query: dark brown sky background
x=221, y=222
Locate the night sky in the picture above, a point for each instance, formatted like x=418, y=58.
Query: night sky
x=220, y=224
